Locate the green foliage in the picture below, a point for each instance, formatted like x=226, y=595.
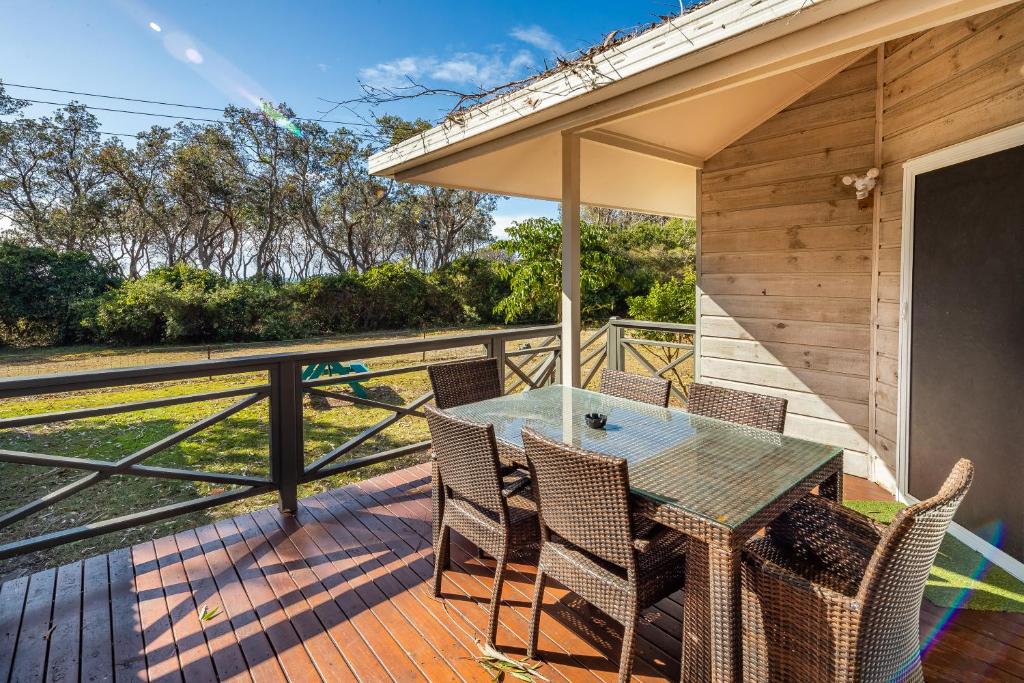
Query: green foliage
x=182, y=304
x=44, y=292
x=634, y=268
x=535, y=273
x=477, y=284
x=655, y=250
x=185, y=304
x=402, y=296
x=672, y=301
x=331, y=303
x=132, y=314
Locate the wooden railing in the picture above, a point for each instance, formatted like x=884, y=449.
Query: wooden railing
x=531, y=363
x=658, y=349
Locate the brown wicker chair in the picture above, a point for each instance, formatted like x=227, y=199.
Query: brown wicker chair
x=473, y=500
x=468, y=381
x=741, y=407
x=465, y=381
x=653, y=390
x=829, y=595
x=587, y=538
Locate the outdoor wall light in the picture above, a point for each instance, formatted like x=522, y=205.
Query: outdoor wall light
x=862, y=185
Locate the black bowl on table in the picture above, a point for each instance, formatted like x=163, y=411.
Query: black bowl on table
x=596, y=420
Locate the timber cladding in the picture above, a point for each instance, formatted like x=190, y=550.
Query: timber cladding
x=800, y=284
x=947, y=85
x=786, y=260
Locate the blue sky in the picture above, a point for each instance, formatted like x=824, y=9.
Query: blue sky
x=213, y=53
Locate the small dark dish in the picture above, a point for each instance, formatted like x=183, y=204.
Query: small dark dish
x=596, y=420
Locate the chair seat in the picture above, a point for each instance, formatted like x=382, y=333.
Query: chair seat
x=522, y=518
x=767, y=550
x=661, y=565
x=821, y=541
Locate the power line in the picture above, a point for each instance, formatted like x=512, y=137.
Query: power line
x=372, y=136
x=160, y=102
x=127, y=111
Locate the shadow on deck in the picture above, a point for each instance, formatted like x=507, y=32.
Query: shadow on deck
x=341, y=591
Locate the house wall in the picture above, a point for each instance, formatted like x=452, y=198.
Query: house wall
x=799, y=285
x=950, y=84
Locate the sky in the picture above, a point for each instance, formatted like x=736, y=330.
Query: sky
x=302, y=53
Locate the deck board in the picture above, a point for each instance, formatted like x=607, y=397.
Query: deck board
x=341, y=591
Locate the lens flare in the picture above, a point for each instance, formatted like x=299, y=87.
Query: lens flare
x=155, y=26
x=998, y=532
x=193, y=55
x=280, y=119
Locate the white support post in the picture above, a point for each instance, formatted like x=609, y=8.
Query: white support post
x=570, y=259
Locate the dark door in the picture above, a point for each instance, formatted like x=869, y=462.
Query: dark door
x=967, y=342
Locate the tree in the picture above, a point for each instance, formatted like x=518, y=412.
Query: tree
x=673, y=301
x=140, y=209
x=535, y=271
x=44, y=292
x=451, y=222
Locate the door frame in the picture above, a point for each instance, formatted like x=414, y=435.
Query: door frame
x=990, y=143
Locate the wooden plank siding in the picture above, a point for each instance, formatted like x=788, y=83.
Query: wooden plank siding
x=800, y=285
x=786, y=255
x=341, y=591
x=950, y=84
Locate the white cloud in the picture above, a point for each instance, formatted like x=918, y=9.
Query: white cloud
x=539, y=38
x=472, y=68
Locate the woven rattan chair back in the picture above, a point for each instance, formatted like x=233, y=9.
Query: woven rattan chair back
x=466, y=455
x=741, y=407
x=893, y=585
x=583, y=498
x=466, y=381
x=653, y=390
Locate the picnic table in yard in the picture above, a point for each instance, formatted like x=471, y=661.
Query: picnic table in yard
x=331, y=369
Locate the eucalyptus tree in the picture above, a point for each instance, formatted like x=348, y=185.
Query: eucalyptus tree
x=51, y=188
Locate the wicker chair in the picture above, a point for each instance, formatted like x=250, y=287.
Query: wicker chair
x=468, y=381
x=474, y=500
x=829, y=595
x=653, y=390
x=587, y=538
x=465, y=381
x=741, y=407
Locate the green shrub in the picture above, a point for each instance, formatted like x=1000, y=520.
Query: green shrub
x=331, y=303
x=188, y=305
x=134, y=313
x=403, y=297
x=477, y=285
x=45, y=293
x=535, y=272
x=253, y=310
x=669, y=302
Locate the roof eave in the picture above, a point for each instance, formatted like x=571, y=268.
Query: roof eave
x=650, y=56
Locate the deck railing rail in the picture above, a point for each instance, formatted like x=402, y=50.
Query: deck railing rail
x=532, y=363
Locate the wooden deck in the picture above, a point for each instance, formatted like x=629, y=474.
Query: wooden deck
x=341, y=592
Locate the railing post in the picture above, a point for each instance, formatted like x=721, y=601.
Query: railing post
x=496, y=350
x=558, y=360
x=613, y=347
x=286, y=440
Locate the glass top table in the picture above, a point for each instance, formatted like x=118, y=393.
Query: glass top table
x=720, y=471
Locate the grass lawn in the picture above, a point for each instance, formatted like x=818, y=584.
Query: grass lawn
x=239, y=444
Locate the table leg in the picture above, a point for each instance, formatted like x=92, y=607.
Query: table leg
x=832, y=487
x=711, y=615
